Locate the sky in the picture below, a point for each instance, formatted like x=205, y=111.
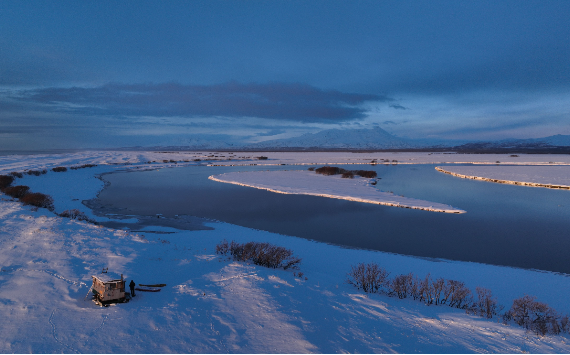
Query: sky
x=104, y=74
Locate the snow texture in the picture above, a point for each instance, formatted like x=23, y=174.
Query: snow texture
x=214, y=305
x=309, y=183
x=387, y=158
x=554, y=177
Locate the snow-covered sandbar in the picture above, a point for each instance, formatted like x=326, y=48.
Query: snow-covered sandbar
x=554, y=177
x=309, y=183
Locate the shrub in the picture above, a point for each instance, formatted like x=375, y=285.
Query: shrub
x=536, y=316
x=59, y=169
x=75, y=214
x=38, y=199
x=262, y=158
x=441, y=291
x=17, y=174
x=486, y=305
x=36, y=172
x=456, y=294
x=197, y=159
x=5, y=181
x=84, y=166
x=329, y=170
x=368, y=277
x=312, y=168
x=370, y=174
x=16, y=191
x=400, y=285
x=263, y=254
x=333, y=170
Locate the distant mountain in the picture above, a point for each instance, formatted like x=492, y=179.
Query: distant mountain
x=375, y=138
x=368, y=139
x=558, y=140
x=558, y=143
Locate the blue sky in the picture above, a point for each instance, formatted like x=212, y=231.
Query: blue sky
x=79, y=74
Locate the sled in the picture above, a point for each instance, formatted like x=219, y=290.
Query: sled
x=154, y=285
x=147, y=289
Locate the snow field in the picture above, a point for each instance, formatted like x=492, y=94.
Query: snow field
x=309, y=183
x=554, y=177
x=212, y=304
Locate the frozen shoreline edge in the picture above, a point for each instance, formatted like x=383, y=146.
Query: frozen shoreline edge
x=501, y=181
x=340, y=197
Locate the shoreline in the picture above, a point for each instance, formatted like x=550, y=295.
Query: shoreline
x=347, y=197
x=502, y=181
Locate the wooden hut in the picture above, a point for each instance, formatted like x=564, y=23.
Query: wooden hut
x=109, y=288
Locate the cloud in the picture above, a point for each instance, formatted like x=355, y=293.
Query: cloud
x=389, y=122
x=272, y=132
x=297, y=102
x=399, y=107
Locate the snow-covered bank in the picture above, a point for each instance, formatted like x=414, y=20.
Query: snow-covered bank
x=553, y=177
x=214, y=305
x=366, y=158
x=308, y=183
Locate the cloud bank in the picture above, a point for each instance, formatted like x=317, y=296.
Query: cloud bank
x=281, y=101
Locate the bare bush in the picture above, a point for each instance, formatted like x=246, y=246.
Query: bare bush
x=17, y=174
x=333, y=170
x=263, y=254
x=426, y=290
x=329, y=170
x=36, y=172
x=456, y=294
x=5, y=181
x=368, y=277
x=525, y=311
x=486, y=305
x=38, y=199
x=84, y=166
x=262, y=158
x=312, y=168
x=223, y=247
x=16, y=191
x=75, y=214
x=400, y=285
x=59, y=169
x=370, y=174
x=536, y=316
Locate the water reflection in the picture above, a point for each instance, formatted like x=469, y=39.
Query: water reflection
x=504, y=224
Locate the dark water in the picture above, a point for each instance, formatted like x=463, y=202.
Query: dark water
x=504, y=225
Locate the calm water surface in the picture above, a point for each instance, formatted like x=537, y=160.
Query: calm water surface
x=504, y=225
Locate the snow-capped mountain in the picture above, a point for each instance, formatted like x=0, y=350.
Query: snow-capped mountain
x=558, y=140
x=375, y=138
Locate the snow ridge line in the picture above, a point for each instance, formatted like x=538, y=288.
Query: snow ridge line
x=499, y=181
x=348, y=198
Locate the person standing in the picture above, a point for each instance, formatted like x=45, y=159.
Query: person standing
x=132, y=286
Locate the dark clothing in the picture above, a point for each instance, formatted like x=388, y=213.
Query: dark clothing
x=132, y=286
